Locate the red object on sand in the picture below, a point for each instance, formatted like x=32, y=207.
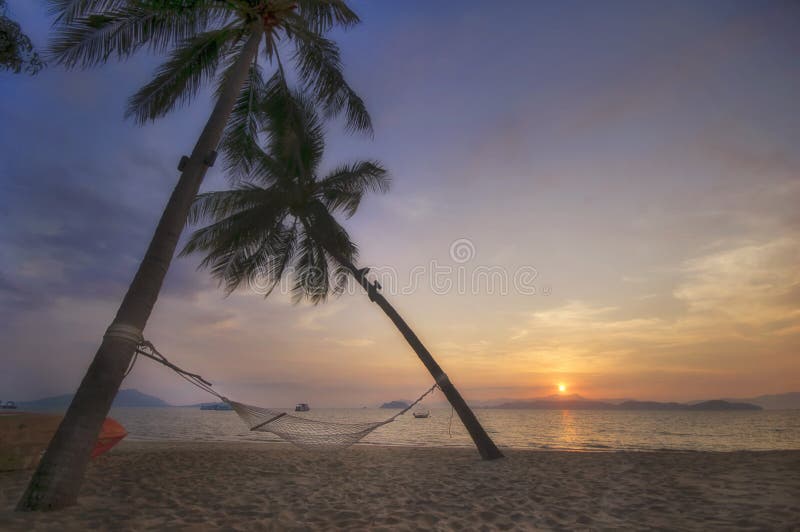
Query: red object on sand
x=24, y=437
x=110, y=435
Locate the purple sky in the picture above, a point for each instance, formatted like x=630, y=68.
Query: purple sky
x=640, y=157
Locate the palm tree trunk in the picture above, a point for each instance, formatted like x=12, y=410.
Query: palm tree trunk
x=57, y=479
x=486, y=447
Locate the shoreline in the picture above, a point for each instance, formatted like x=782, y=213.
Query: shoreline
x=246, y=485
x=544, y=449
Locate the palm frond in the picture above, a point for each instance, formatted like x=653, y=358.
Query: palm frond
x=270, y=270
x=319, y=68
x=245, y=234
x=323, y=15
x=68, y=10
x=324, y=227
x=311, y=276
x=92, y=37
x=263, y=261
x=240, y=139
x=224, y=203
x=179, y=79
x=335, y=240
x=346, y=185
x=273, y=109
x=295, y=134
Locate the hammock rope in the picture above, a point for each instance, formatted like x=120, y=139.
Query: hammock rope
x=301, y=431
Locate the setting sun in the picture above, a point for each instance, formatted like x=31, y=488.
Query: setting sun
x=562, y=388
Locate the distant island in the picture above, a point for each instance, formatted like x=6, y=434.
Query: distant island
x=576, y=402
x=132, y=398
x=781, y=401
x=395, y=404
x=125, y=398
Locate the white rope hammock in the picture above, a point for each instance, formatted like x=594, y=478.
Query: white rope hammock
x=301, y=431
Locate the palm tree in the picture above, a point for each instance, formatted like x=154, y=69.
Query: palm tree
x=204, y=39
x=16, y=49
x=280, y=216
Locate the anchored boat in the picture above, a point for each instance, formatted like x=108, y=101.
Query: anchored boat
x=215, y=406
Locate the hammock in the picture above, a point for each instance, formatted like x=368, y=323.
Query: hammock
x=301, y=431
x=304, y=432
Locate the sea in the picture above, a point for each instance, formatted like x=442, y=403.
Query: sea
x=578, y=430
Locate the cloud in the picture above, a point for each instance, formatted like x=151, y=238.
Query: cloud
x=351, y=342
x=753, y=286
x=739, y=304
x=519, y=334
x=315, y=318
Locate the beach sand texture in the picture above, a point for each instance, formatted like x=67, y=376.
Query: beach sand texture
x=240, y=486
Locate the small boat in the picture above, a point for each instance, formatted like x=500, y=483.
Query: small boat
x=302, y=407
x=422, y=414
x=215, y=406
x=9, y=405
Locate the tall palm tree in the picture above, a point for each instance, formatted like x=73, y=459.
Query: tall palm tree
x=204, y=39
x=280, y=216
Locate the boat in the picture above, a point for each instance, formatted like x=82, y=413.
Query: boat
x=422, y=414
x=215, y=406
x=25, y=435
x=302, y=407
x=9, y=405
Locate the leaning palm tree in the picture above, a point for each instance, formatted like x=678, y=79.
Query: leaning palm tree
x=280, y=216
x=204, y=40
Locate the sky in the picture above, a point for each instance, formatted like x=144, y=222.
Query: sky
x=602, y=195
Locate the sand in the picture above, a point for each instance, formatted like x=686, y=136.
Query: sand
x=243, y=486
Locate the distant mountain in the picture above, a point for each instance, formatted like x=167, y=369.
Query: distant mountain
x=576, y=402
x=395, y=404
x=781, y=401
x=703, y=405
x=615, y=401
x=558, y=402
x=559, y=405
x=124, y=398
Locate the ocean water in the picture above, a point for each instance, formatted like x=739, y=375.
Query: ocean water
x=521, y=429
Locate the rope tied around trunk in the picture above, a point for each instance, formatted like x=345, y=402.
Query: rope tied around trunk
x=124, y=331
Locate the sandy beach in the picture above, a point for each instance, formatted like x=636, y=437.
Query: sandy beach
x=239, y=486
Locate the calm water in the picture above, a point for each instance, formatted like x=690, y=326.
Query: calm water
x=524, y=429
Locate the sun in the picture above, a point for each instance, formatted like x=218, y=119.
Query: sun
x=562, y=388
